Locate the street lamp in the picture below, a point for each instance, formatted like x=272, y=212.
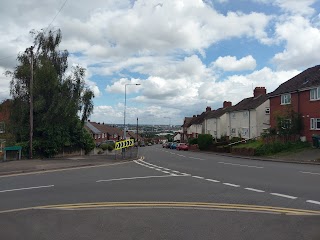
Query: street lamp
x=125, y=106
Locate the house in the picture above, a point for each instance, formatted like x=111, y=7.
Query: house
x=251, y=116
x=197, y=124
x=184, y=129
x=177, y=136
x=134, y=135
x=216, y=122
x=101, y=132
x=300, y=94
x=5, y=107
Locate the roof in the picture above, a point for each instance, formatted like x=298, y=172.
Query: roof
x=92, y=128
x=249, y=103
x=187, y=120
x=198, y=119
x=104, y=128
x=217, y=113
x=306, y=79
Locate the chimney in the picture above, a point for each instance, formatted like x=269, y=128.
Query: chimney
x=88, y=120
x=194, y=116
x=259, y=91
x=227, y=104
x=208, y=109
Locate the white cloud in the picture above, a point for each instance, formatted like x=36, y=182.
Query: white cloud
x=230, y=63
x=4, y=85
x=302, y=44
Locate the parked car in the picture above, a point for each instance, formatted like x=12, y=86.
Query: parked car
x=173, y=145
x=149, y=144
x=168, y=145
x=142, y=144
x=164, y=145
x=183, y=146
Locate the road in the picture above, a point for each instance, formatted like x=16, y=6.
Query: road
x=168, y=194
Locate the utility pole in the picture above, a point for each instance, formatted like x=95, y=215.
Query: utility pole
x=137, y=133
x=31, y=103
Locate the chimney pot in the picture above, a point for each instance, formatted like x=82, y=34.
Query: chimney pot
x=208, y=109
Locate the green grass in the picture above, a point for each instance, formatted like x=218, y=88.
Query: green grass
x=249, y=144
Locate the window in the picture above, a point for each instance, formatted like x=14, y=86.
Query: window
x=285, y=99
x=245, y=114
x=267, y=110
x=215, y=133
x=315, y=93
x=233, y=130
x=233, y=115
x=245, y=132
x=315, y=123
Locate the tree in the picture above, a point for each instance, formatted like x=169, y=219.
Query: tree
x=62, y=102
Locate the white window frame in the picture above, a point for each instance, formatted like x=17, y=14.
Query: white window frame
x=314, y=123
x=286, y=99
x=233, y=115
x=245, y=114
x=267, y=111
x=233, y=130
x=315, y=94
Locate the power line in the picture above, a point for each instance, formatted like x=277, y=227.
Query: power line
x=62, y=6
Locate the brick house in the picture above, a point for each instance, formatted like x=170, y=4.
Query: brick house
x=300, y=94
x=102, y=132
x=184, y=129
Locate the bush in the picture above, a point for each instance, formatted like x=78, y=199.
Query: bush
x=193, y=141
x=104, y=146
x=204, y=141
x=110, y=147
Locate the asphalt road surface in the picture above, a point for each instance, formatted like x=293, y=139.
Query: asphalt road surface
x=168, y=194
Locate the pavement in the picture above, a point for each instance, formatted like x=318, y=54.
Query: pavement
x=37, y=165
x=168, y=194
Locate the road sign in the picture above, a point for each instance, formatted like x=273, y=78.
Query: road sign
x=124, y=144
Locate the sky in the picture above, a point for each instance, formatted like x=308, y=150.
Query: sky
x=186, y=54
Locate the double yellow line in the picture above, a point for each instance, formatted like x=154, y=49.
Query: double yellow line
x=185, y=205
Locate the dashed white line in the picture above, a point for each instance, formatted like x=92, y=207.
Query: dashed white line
x=167, y=169
x=26, y=188
x=231, y=185
x=175, y=171
x=239, y=165
x=196, y=158
x=314, y=202
x=283, y=195
x=180, y=155
x=198, y=177
x=165, y=172
x=212, y=180
x=310, y=173
x=254, y=190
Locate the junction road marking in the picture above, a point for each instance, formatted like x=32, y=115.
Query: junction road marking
x=134, y=178
x=231, y=185
x=312, y=173
x=314, y=202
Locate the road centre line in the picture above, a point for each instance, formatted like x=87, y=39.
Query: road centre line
x=198, y=177
x=254, y=190
x=314, y=202
x=212, y=180
x=196, y=158
x=165, y=172
x=26, y=188
x=240, y=165
x=180, y=155
x=310, y=173
x=283, y=195
x=231, y=184
x=134, y=178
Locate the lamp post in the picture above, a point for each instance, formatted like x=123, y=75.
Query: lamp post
x=125, y=106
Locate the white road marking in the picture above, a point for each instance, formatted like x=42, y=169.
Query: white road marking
x=240, y=165
x=310, y=173
x=283, y=195
x=231, y=185
x=158, y=169
x=198, y=177
x=27, y=188
x=314, y=202
x=196, y=158
x=133, y=178
x=253, y=189
x=175, y=171
x=165, y=172
x=212, y=180
x=167, y=169
x=180, y=155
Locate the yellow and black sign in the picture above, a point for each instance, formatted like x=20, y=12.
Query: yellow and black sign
x=124, y=144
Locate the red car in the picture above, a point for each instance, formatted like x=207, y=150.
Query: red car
x=183, y=146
